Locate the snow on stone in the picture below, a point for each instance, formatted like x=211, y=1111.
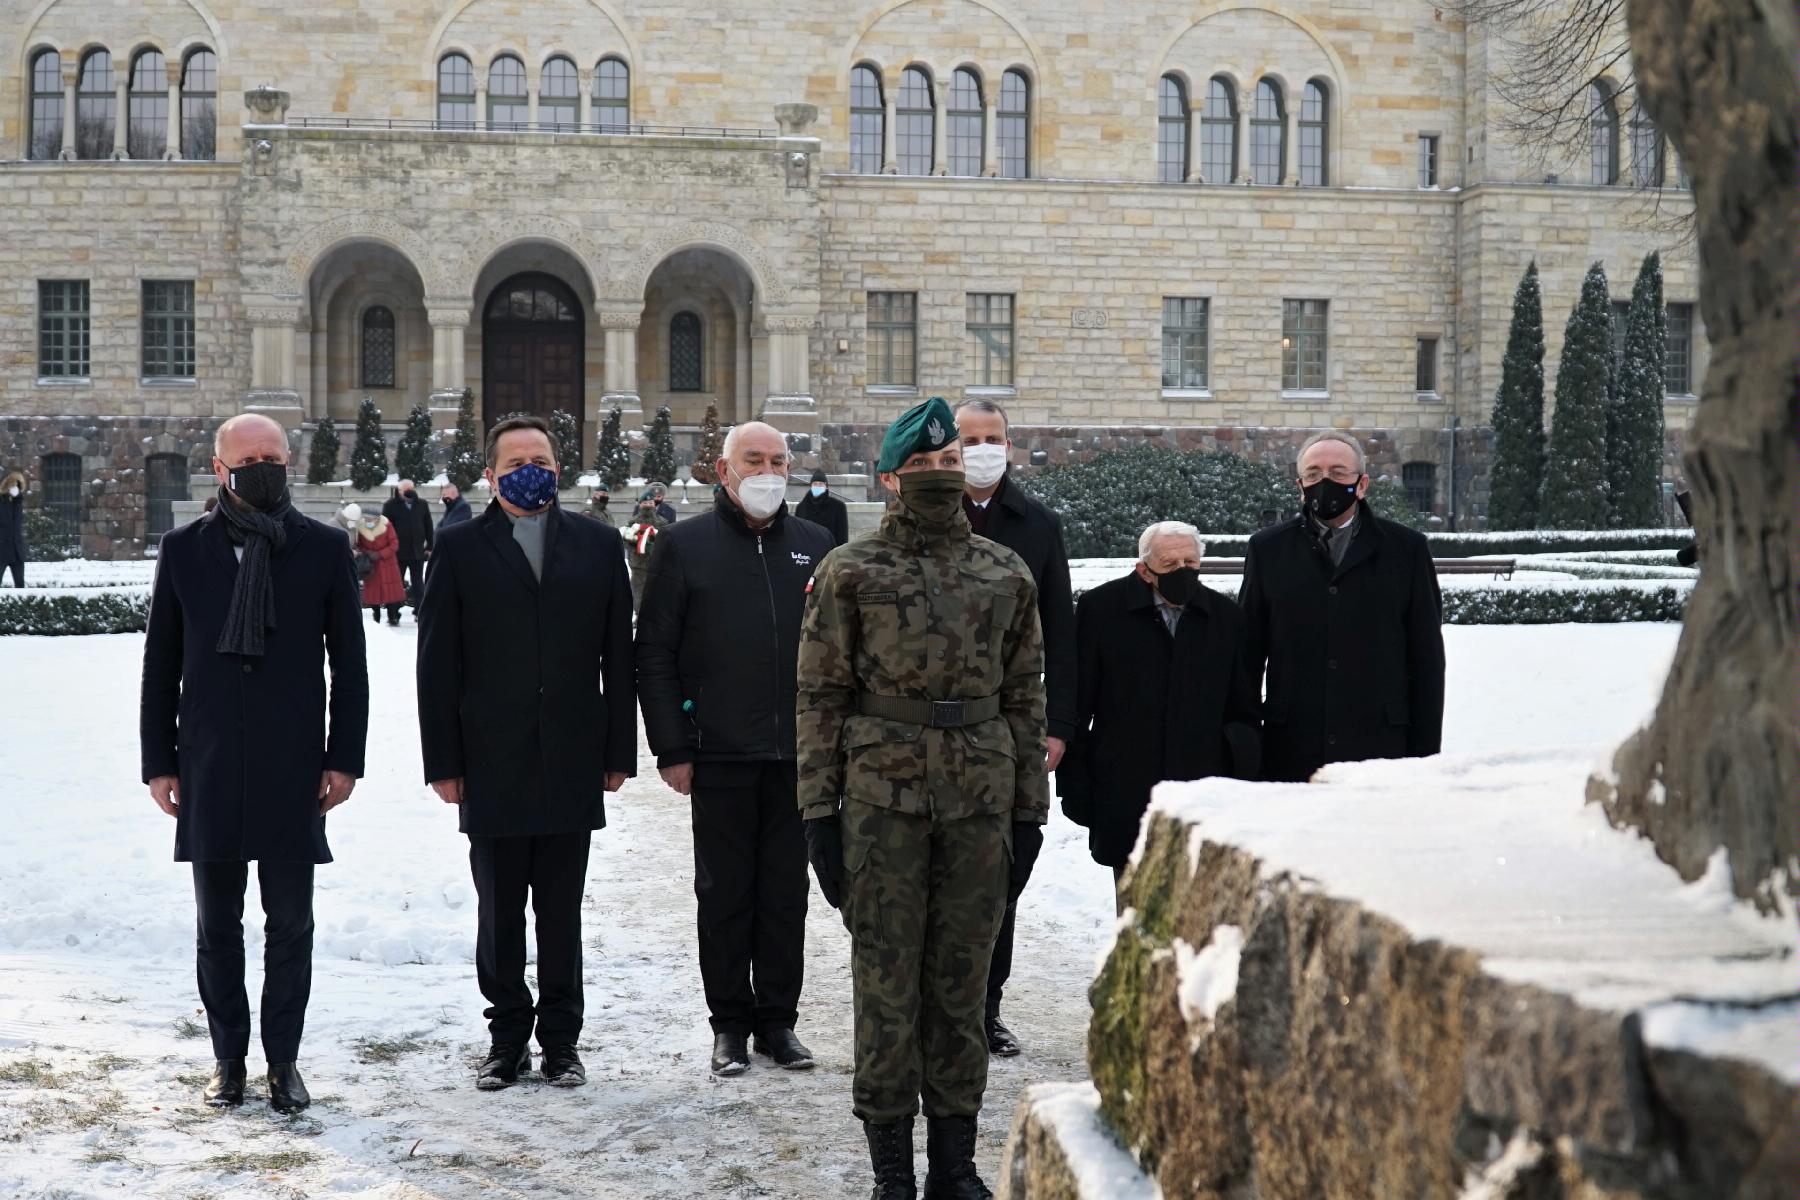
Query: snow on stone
x=1207, y=978
x=1103, y=1169
x=1760, y=1033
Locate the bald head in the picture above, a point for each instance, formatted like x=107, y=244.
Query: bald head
x=765, y=438
x=250, y=437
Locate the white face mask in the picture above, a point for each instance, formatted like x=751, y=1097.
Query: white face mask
x=761, y=495
x=13, y=490
x=983, y=464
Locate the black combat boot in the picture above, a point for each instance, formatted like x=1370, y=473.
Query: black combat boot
x=891, y=1154
x=287, y=1091
x=950, y=1160
x=226, y=1087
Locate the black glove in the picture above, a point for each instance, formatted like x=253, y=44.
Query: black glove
x=825, y=850
x=1028, y=839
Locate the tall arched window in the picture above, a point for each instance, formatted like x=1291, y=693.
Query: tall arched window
x=1171, y=130
x=559, y=95
x=1218, y=132
x=44, y=139
x=1268, y=134
x=378, y=347
x=686, y=365
x=868, y=115
x=915, y=116
x=147, y=136
x=1315, y=156
x=95, y=109
x=1013, y=135
x=1603, y=135
x=456, y=92
x=509, y=103
x=200, y=105
x=966, y=121
x=612, y=93
x=1646, y=148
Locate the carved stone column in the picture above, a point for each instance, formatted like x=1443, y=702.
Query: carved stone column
x=267, y=105
x=70, y=73
x=121, y=111
x=789, y=404
x=890, y=161
x=273, y=323
x=172, y=138
x=1290, y=145
x=940, y=126
x=1246, y=99
x=990, y=133
x=621, y=372
x=585, y=80
x=481, y=104
x=449, y=320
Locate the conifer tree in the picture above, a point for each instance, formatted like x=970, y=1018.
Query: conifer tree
x=466, y=461
x=612, y=460
x=1634, y=444
x=659, y=458
x=1519, y=414
x=565, y=439
x=1575, y=485
x=711, y=448
x=412, y=456
x=322, y=455
x=368, y=458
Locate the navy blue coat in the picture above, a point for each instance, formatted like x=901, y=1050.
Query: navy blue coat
x=249, y=738
x=455, y=514
x=526, y=688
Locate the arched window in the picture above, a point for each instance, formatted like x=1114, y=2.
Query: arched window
x=559, y=95
x=1268, y=134
x=1315, y=160
x=147, y=136
x=966, y=121
x=200, y=105
x=509, y=104
x=686, y=364
x=44, y=139
x=456, y=92
x=1646, y=148
x=914, y=118
x=95, y=107
x=378, y=347
x=868, y=115
x=612, y=93
x=1603, y=135
x=165, y=481
x=1013, y=135
x=1171, y=130
x=1218, y=133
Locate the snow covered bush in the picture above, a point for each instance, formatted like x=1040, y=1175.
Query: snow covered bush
x=75, y=612
x=368, y=458
x=412, y=456
x=466, y=461
x=1564, y=605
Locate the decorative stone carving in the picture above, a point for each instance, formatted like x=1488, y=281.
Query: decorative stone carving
x=789, y=323
x=716, y=233
x=462, y=264
x=280, y=314
x=798, y=164
x=448, y=318
x=267, y=105
x=619, y=320
x=1088, y=318
x=378, y=227
x=792, y=119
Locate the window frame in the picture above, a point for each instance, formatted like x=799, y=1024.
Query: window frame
x=49, y=104
x=1172, y=165
x=982, y=349
x=1210, y=126
x=1648, y=174
x=604, y=102
x=1430, y=147
x=1315, y=129
x=1300, y=339
x=1190, y=341
x=1678, y=315
x=958, y=121
x=883, y=326
x=559, y=111
x=1261, y=124
x=868, y=147
x=1012, y=126
x=199, y=105
x=1419, y=479
x=101, y=99
x=907, y=118
x=168, y=332
x=147, y=135
x=450, y=104
x=1426, y=365
x=1603, y=135
x=159, y=507
x=516, y=104
x=699, y=333
x=369, y=323
x=59, y=480
x=72, y=326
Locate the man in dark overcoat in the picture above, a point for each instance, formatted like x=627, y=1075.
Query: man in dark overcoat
x=1343, y=612
x=241, y=743
x=411, y=519
x=1163, y=691
x=527, y=717
x=824, y=509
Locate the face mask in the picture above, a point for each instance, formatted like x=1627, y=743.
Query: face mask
x=933, y=496
x=263, y=486
x=448, y=501
x=817, y=489
x=1179, y=585
x=984, y=464
x=529, y=487
x=1327, y=500
x=410, y=495
x=761, y=495
x=13, y=490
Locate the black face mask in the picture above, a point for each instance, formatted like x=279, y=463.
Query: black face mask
x=448, y=502
x=410, y=496
x=1179, y=585
x=1327, y=500
x=263, y=486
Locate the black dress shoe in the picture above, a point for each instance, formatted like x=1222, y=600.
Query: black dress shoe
x=731, y=1054
x=562, y=1067
x=226, y=1087
x=1000, y=1040
x=287, y=1091
x=502, y=1066
x=785, y=1049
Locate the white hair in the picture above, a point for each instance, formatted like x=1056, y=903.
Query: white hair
x=1168, y=529
x=1333, y=435
x=731, y=435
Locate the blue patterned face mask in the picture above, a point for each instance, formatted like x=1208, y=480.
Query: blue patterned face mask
x=529, y=487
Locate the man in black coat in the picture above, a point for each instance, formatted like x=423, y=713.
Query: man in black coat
x=411, y=519
x=822, y=508
x=1163, y=691
x=718, y=637
x=1342, y=609
x=456, y=509
x=998, y=509
x=239, y=741
x=526, y=719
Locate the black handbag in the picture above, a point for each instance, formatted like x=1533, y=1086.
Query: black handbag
x=365, y=567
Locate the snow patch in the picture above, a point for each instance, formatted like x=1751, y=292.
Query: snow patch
x=1755, y=1033
x=1103, y=1169
x=1498, y=1179
x=1206, y=979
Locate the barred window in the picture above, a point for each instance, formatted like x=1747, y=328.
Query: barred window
x=456, y=92
x=1171, y=130
x=1678, y=352
x=63, y=328
x=169, y=329
x=1425, y=370
x=1603, y=134
x=165, y=481
x=200, y=105
x=686, y=365
x=612, y=92
x=868, y=115
x=1268, y=134
x=1420, y=481
x=1315, y=107
x=990, y=324
x=559, y=95
x=1184, y=330
x=966, y=123
x=1646, y=149
x=1218, y=133
x=914, y=120
x=1428, y=160
x=1013, y=134
x=509, y=102
x=893, y=324
x=1303, y=345
x=61, y=474
x=147, y=135
x=378, y=347
x=44, y=140
x=1621, y=315
x=95, y=107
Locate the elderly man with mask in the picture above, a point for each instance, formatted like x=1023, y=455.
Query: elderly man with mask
x=456, y=509
x=717, y=638
x=242, y=744
x=526, y=719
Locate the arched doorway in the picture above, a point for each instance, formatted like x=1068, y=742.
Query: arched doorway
x=532, y=348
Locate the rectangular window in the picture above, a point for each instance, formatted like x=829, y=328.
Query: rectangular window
x=965, y=143
x=62, y=328
x=990, y=323
x=1420, y=481
x=1621, y=314
x=1184, y=342
x=165, y=481
x=893, y=336
x=1425, y=372
x=865, y=142
x=1428, y=160
x=61, y=474
x=1303, y=345
x=1678, y=354
x=169, y=329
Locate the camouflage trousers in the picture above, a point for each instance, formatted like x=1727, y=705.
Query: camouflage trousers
x=923, y=900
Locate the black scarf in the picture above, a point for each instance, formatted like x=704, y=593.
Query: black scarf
x=253, y=597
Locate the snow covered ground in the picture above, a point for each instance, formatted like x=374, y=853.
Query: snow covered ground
x=103, y=1049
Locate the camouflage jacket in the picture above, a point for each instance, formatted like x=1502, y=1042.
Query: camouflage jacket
x=897, y=613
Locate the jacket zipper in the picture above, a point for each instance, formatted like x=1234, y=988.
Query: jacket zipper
x=775, y=624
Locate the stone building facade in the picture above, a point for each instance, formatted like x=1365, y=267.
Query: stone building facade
x=1227, y=224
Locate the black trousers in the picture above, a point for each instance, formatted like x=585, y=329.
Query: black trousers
x=552, y=869
x=287, y=954
x=17, y=567
x=412, y=577
x=751, y=884
x=1000, y=966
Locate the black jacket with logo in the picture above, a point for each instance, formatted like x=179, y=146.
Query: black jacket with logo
x=718, y=635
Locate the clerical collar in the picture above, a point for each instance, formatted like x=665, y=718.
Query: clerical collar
x=536, y=518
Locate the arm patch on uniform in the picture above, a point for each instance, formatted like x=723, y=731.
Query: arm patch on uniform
x=878, y=597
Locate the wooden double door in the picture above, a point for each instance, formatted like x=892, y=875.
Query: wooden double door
x=533, y=358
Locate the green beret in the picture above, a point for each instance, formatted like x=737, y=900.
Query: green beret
x=927, y=426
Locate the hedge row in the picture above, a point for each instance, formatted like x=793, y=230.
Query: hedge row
x=73, y=613
x=1563, y=605
x=1507, y=545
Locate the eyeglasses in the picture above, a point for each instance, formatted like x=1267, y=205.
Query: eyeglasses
x=1312, y=475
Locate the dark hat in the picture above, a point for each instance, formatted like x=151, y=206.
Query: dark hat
x=818, y=475
x=923, y=427
x=648, y=495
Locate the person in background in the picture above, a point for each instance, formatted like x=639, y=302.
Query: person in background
x=377, y=541
x=640, y=541
x=664, y=509
x=411, y=520
x=456, y=509
x=822, y=508
x=597, y=505
x=242, y=743
x=12, y=526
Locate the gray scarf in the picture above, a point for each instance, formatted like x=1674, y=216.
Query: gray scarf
x=253, y=597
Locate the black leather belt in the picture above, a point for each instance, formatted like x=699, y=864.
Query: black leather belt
x=933, y=714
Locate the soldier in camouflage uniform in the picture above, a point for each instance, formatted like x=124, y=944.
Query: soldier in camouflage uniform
x=921, y=778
